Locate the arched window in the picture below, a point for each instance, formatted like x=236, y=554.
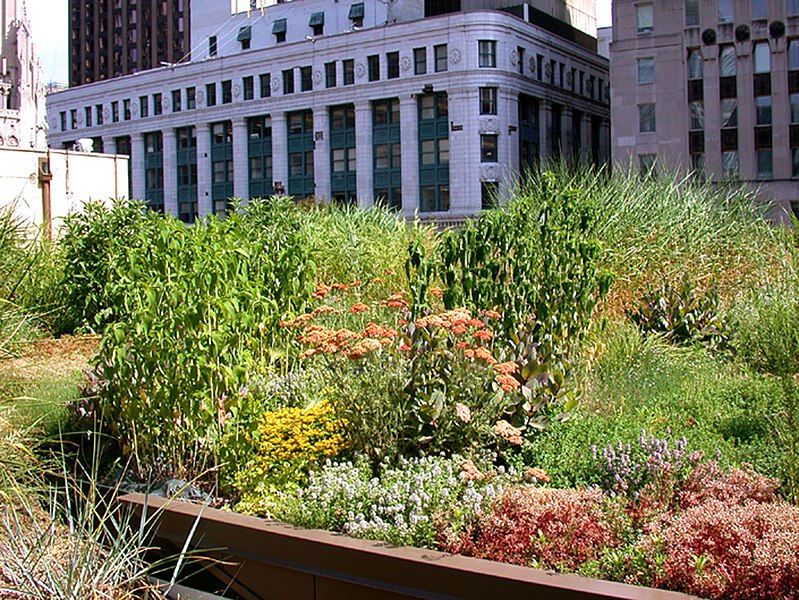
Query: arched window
x=727, y=61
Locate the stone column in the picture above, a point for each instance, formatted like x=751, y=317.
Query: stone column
x=464, y=150
x=409, y=138
x=204, y=204
x=566, y=134
x=585, y=142
x=241, y=160
x=109, y=145
x=137, y=165
x=280, y=160
x=545, y=130
x=170, y=172
x=363, y=153
x=508, y=152
x=321, y=153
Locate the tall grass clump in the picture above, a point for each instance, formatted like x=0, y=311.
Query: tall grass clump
x=348, y=244
x=655, y=228
x=22, y=262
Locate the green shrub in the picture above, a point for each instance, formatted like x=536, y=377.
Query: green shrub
x=682, y=314
x=194, y=315
x=94, y=241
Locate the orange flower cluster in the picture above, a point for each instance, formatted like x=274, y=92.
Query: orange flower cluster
x=507, y=382
x=396, y=301
x=436, y=291
x=321, y=292
x=374, y=330
x=363, y=347
x=536, y=475
x=323, y=340
x=508, y=432
x=304, y=318
x=482, y=353
x=507, y=368
x=471, y=472
x=483, y=334
x=462, y=412
x=359, y=307
x=491, y=314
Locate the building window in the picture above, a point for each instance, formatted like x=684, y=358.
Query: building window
x=440, y=57
x=306, y=79
x=697, y=115
x=210, y=94
x=373, y=64
x=356, y=14
x=728, y=61
x=191, y=98
x=244, y=37
x=691, y=13
x=488, y=147
x=698, y=163
x=486, y=53
x=265, y=84
x=433, y=152
x=695, y=65
x=489, y=195
x=759, y=10
x=212, y=47
x=387, y=153
x=98, y=113
x=488, y=100
x=348, y=67
x=392, y=65
x=729, y=164
x=520, y=54
x=765, y=168
x=73, y=118
x=342, y=154
x=725, y=11
x=317, y=23
x=176, y=101
x=646, y=163
x=793, y=53
x=795, y=162
x=646, y=118
x=126, y=114
x=259, y=131
x=645, y=18
x=221, y=166
x=419, y=61
x=763, y=110
x=729, y=112
x=301, y=156
x=794, y=108
x=288, y=81
x=114, y=112
x=793, y=7
x=762, y=54
x=279, y=30
x=87, y=112
x=330, y=74
x=646, y=70
x=144, y=107
x=248, y=85
x=227, y=91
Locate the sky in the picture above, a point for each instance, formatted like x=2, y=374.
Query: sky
x=49, y=21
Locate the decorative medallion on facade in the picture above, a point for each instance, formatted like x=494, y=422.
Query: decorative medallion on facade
x=134, y=109
x=360, y=70
x=199, y=97
x=405, y=63
x=569, y=79
x=548, y=71
x=236, y=90
x=514, y=57
x=455, y=56
x=489, y=125
x=106, y=113
x=275, y=85
x=317, y=76
x=165, y=103
x=531, y=65
x=489, y=172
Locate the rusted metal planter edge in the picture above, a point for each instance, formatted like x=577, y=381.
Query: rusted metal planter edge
x=273, y=560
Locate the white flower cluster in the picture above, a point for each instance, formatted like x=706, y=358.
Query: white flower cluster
x=402, y=505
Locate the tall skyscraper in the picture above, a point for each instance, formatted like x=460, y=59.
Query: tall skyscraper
x=712, y=87
x=111, y=38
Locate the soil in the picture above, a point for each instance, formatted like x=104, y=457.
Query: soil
x=50, y=359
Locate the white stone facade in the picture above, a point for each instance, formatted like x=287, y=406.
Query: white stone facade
x=567, y=83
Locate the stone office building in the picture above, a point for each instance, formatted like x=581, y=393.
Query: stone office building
x=711, y=87
x=353, y=102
